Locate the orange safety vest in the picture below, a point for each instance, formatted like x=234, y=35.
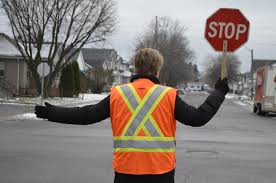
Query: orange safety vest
x=143, y=126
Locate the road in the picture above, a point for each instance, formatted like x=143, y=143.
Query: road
x=236, y=146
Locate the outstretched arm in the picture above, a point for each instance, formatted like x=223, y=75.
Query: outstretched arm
x=86, y=115
x=197, y=117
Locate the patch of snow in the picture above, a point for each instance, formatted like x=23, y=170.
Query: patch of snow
x=83, y=98
x=244, y=97
x=27, y=116
x=240, y=103
x=229, y=96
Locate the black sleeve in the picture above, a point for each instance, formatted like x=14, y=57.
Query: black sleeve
x=80, y=115
x=197, y=117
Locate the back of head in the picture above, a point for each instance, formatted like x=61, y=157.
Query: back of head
x=148, y=61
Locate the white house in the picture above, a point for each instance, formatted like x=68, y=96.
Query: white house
x=16, y=78
x=109, y=60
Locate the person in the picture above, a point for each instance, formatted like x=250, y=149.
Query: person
x=143, y=119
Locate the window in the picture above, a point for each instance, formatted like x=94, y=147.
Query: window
x=29, y=73
x=2, y=69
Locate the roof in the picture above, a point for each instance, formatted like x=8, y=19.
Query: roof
x=96, y=57
x=14, y=51
x=257, y=63
x=8, y=50
x=74, y=57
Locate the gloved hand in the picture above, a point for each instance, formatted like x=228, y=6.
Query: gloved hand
x=42, y=111
x=222, y=85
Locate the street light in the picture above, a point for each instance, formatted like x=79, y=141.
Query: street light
x=251, y=71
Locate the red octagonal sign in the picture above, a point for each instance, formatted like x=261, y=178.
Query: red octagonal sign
x=228, y=27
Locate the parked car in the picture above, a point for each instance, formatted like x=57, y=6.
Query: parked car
x=180, y=91
x=194, y=87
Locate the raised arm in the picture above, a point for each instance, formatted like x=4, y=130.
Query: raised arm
x=86, y=115
x=197, y=117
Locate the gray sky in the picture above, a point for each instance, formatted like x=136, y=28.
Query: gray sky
x=135, y=15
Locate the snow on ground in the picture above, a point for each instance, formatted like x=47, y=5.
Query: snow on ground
x=26, y=116
x=239, y=103
x=83, y=98
x=231, y=96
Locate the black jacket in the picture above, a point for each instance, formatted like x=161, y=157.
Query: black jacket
x=183, y=113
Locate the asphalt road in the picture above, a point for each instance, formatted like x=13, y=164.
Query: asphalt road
x=236, y=146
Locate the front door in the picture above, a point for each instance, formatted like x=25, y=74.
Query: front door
x=2, y=69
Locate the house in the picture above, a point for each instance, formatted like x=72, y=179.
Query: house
x=78, y=57
x=121, y=72
x=244, y=83
x=13, y=69
x=16, y=78
x=108, y=59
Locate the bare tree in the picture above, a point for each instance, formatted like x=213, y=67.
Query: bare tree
x=101, y=77
x=169, y=38
x=64, y=25
x=213, y=68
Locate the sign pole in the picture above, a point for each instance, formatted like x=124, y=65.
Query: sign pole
x=42, y=85
x=223, y=73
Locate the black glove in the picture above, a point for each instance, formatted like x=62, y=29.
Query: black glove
x=222, y=85
x=43, y=111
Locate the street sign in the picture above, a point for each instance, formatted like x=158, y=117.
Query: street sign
x=227, y=29
x=43, y=69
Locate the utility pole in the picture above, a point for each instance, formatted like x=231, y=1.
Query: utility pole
x=252, y=83
x=155, y=33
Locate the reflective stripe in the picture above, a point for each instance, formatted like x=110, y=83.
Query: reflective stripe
x=133, y=100
x=151, y=109
x=144, y=110
x=143, y=150
x=144, y=144
x=134, y=113
x=153, y=122
x=144, y=138
x=153, y=132
x=130, y=96
x=141, y=119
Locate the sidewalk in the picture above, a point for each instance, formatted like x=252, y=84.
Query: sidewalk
x=22, y=108
x=82, y=99
x=241, y=100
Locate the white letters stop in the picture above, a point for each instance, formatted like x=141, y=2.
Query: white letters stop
x=229, y=30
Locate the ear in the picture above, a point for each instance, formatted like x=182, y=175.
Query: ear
x=157, y=74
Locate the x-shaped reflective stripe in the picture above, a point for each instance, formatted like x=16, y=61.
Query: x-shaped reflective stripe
x=141, y=109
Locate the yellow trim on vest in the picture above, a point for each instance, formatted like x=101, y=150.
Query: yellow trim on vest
x=138, y=109
x=143, y=138
x=146, y=131
x=141, y=125
x=150, y=118
x=134, y=93
x=150, y=111
x=124, y=98
x=143, y=150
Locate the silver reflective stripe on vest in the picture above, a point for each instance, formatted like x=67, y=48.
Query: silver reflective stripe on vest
x=143, y=112
x=154, y=141
x=130, y=97
x=134, y=104
x=144, y=144
x=151, y=129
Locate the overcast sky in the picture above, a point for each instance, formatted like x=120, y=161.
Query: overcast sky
x=135, y=15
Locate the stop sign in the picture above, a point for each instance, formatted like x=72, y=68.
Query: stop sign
x=229, y=27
